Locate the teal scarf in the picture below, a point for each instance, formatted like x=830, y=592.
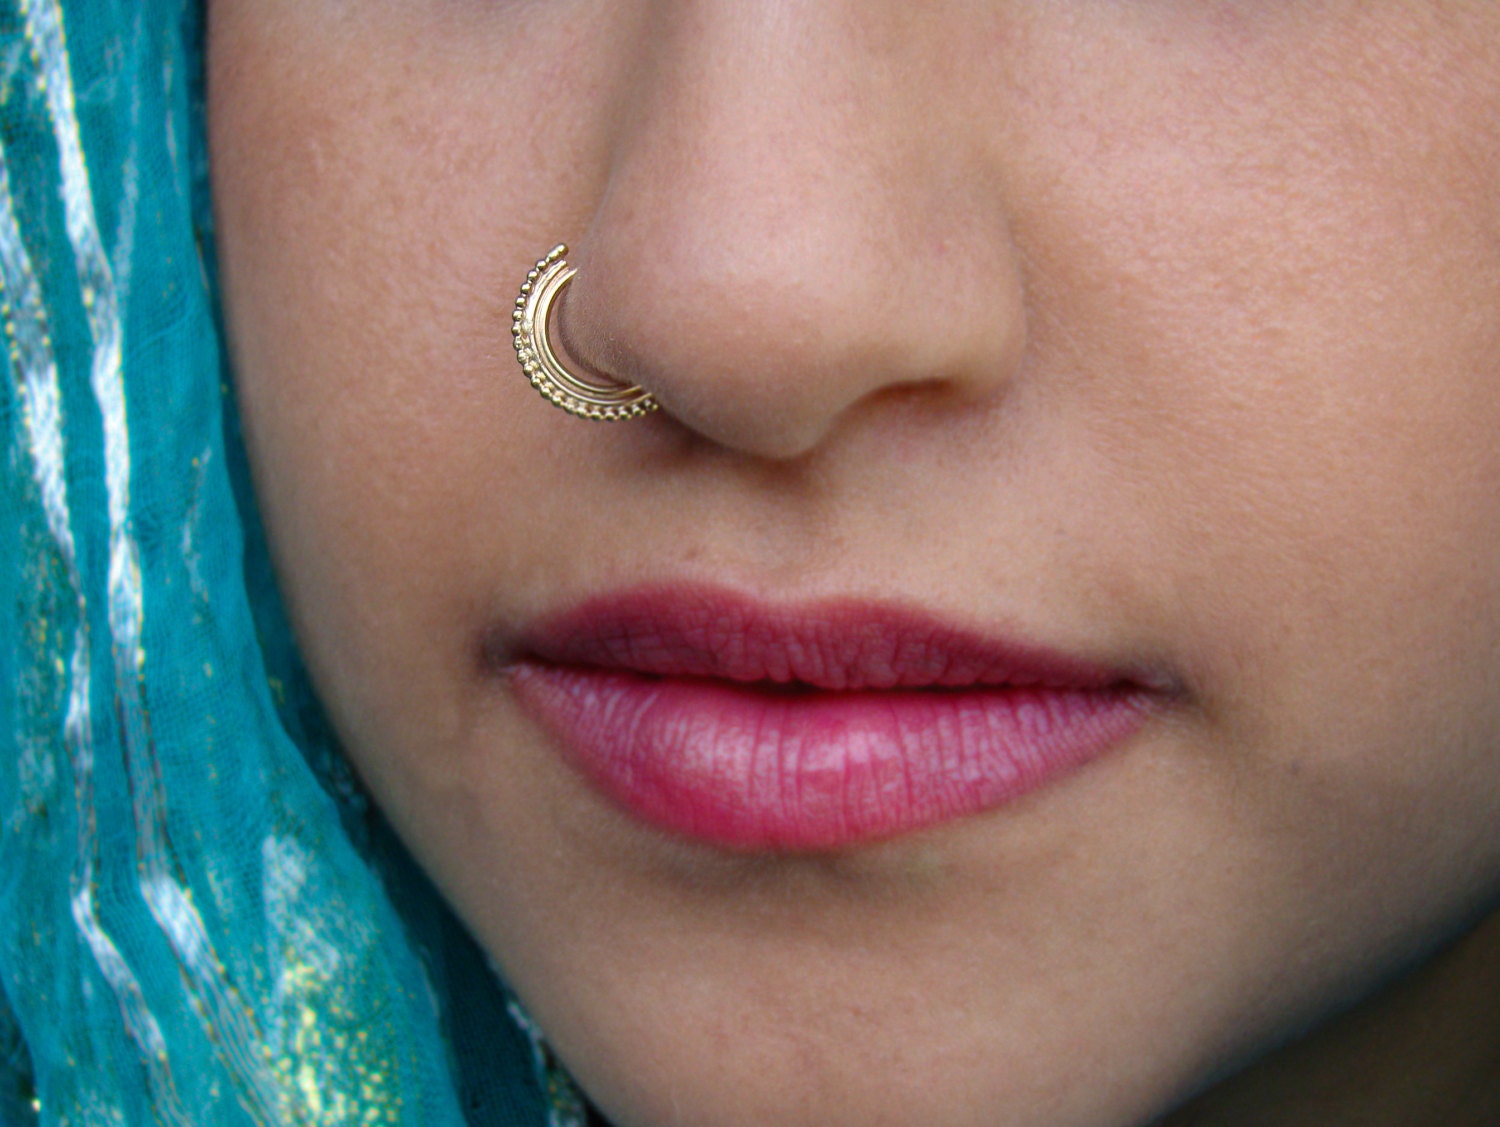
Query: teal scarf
x=201, y=921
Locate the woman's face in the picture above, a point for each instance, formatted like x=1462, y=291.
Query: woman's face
x=1163, y=336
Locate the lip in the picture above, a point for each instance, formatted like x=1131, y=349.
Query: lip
x=808, y=728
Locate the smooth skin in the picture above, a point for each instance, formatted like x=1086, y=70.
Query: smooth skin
x=1162, y=332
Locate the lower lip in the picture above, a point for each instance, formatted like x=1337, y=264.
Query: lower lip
x=747, y=768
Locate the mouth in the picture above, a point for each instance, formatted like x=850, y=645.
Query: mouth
x=811, y=728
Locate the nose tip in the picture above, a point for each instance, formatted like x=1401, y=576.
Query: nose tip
x=775, y=251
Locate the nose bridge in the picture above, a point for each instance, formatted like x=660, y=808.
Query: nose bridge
x=770, y=208
x=763, y=106
x=742, y=152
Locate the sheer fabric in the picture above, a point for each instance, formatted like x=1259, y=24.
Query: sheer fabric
x=201, y=923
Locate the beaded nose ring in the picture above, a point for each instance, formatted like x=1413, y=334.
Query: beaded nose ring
x=588, y=399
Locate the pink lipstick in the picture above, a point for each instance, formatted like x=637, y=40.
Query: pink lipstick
x=809, y=728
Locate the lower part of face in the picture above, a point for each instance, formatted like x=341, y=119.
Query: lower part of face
x=1163, y=336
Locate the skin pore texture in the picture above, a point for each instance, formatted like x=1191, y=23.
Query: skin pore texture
x=1162, y=333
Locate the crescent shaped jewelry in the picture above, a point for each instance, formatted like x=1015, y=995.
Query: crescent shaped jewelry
x=587, y=399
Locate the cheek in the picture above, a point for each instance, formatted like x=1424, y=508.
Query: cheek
x=1280, y=332
x=1316, y=311
x=369, y=313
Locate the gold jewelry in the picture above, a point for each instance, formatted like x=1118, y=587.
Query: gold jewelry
x=574, y=394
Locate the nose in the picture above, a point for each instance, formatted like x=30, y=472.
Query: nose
x=791, y=229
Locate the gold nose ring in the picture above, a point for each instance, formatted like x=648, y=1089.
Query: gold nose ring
x=576, y=395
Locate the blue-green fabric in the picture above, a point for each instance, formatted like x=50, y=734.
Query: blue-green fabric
x=201, y=922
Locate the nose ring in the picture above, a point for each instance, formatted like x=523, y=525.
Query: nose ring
x=576, y=395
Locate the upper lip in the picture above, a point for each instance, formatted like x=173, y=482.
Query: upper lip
x=837, y=645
